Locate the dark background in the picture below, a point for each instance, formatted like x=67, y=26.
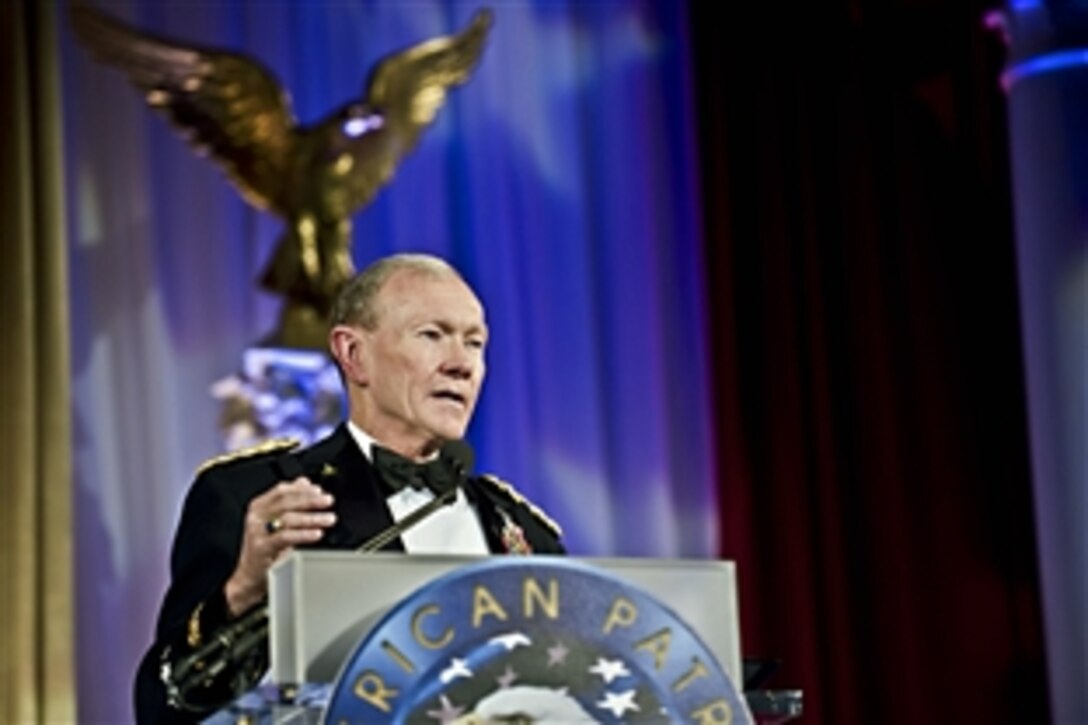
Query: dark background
x=873, y=452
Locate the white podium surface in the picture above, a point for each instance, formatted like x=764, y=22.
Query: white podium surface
x=322, y=603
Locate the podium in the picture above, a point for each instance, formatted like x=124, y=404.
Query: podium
x=394, y=638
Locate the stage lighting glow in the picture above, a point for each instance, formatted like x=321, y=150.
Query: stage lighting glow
x=356, y=127
x=1048, y=63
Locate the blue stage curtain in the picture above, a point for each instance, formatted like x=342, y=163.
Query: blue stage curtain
x=560, y=180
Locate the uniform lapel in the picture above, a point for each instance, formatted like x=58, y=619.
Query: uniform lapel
x=361, y=511
x=510, y=528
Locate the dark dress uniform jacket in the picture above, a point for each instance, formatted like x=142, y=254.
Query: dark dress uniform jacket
x=209, y=538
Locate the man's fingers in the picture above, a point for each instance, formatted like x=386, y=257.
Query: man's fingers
x=274, y=510
x=287, y=538
x=301, y=520
x=292, y=529
x=298, y=495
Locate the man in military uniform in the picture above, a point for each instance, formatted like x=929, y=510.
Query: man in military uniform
x=408, y=335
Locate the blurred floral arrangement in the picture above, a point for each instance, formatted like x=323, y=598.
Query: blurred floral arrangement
x=279, y=393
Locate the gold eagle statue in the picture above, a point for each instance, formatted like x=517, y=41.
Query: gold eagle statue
x=231, y=108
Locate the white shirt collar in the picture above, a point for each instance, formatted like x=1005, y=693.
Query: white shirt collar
x=362, y=439
x=366, y=442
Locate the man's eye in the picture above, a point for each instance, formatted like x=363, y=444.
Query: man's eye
x=475, y=343
x=431, y=334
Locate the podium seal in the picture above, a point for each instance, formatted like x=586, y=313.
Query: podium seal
x=532, y=640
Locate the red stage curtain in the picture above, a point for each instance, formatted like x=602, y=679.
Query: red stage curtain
x=872, y=441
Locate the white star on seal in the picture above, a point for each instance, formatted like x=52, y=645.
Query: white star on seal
x=511, y=640
x=457, y=668
x=557, y=654
x=448, y=713
x=618, y=703
x=507, y=677
x=609, y=669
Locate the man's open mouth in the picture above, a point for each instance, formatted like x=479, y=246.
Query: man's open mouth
x=451, y=395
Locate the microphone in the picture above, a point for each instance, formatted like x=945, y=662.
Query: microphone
x=458, y=455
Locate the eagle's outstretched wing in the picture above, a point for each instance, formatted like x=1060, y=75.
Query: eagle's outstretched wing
x=225, y=104
x=409, y=88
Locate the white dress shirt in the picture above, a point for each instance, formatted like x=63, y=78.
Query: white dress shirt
x=453, y=529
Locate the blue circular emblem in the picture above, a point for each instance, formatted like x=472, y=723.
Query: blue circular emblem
x=546, y=639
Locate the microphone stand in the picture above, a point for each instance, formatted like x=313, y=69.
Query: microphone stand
x=242, y=640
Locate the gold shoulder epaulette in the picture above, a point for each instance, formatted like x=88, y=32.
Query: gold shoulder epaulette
x=272, y=445
x=515, y=494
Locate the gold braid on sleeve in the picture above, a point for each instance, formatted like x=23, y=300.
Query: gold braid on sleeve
x=194, y=636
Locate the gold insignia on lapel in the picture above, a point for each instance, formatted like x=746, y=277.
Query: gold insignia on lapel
x=273, y=445
x=328, y=470
x=516, y=496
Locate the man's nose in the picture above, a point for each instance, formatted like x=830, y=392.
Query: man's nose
x=460, y=362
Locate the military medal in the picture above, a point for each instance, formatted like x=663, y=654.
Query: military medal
x=513, y=538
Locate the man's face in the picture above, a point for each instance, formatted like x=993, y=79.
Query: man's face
x=424, y=362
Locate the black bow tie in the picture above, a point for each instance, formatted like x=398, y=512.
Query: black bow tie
x=397, y=472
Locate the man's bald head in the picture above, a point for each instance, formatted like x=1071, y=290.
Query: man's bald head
x=357, y=303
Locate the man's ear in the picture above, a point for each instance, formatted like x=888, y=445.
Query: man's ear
x=347, y=346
